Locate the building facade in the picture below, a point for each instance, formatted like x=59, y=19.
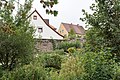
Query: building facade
x=42, y=28
x=66, y=28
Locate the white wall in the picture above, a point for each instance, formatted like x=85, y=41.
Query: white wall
x=47, y=33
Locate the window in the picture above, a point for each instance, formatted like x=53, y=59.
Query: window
x=40, y=30
x=62, y=30
x=34, y=17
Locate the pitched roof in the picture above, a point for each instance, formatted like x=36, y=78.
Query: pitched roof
x=45, y=22
x=77, y=28
x=53, y=27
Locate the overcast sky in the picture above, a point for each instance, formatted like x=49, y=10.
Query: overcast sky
x=69, y=11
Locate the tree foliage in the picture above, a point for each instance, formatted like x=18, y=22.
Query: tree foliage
x=106, y=22
x=16, y=42
x=48, y=5
x=26, y=72
x=72, y=34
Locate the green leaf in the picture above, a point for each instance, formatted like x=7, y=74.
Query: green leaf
x=55, y=13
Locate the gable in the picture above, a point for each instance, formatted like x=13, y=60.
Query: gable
x=62, y=30
x=48, y=31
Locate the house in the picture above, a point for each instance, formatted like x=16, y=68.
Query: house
x=44, y=33
x=65, y=29
x=43, y=30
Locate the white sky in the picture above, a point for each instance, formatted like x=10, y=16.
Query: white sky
x=69, y=11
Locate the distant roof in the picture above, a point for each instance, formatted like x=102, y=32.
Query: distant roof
x=77, y=28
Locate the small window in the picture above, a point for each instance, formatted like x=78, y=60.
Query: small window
x=40, y=30
x=34, y=17
x=62, y=30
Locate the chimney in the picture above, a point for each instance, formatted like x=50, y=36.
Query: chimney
x=46, y=20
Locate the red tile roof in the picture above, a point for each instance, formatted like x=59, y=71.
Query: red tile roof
x=77, y=28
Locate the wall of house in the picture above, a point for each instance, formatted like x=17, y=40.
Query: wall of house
x=62, y=30
x=47, y=32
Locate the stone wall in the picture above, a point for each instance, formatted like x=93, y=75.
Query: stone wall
x=43, y=45
x=48, y=45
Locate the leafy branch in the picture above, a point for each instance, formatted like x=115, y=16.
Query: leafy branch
x=48, y=5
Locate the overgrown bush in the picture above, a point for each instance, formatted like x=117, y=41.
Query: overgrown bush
x=51, y=61
x=81, y=66
x=16, y=40
x=72, y=69
x=66, y=44
x=1, y=71
x=99, y=66
x=89, y=66
x=57, y=51
x=117, y=77
x=27, y=72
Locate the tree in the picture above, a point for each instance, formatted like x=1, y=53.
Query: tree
x=106, y=22
x=48, y=5
x=72, y=34
x=16, y=41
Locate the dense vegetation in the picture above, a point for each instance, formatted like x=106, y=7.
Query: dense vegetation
x=16, y=41
x=106, y=25
x=97, y=59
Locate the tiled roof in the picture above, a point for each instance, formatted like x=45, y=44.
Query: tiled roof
x=77, y=28
x=47, y=21
x=53, y=27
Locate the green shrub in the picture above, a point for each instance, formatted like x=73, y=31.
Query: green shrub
x=57, y=51
x=51, y=60
x=1, y=71
x=118, y=74
x=66, y=44
x=90, y=66
x=99, y=66
x=16, y=39
x=71, y=69
x=54, y=75
x=27, y=72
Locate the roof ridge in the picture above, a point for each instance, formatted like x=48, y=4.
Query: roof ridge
x=72, y=24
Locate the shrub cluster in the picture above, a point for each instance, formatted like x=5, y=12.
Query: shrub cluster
x=50, y=61
x=80, y=66
x=66, y=44
x=27, y=72
x=88, y=66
